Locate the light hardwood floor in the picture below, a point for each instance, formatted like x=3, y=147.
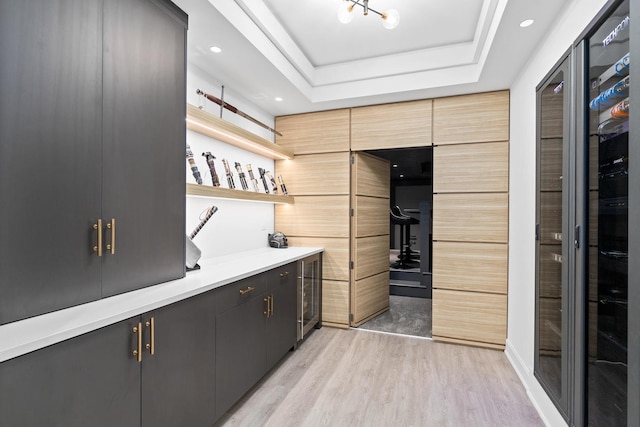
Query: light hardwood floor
x=360, y=378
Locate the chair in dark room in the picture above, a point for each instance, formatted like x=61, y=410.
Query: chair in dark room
x=405, y=222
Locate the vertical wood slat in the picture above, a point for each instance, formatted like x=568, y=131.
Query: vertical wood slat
x=313, y=133
x=481, y=117
x=404, y=124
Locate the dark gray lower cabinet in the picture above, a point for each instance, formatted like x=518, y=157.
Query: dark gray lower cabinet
x=255, y=328
x=282, y=319
x=85, y=381
x=95, y=380
x=184, y=364
x=178, y=379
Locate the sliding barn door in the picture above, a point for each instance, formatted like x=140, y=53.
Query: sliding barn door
x=369, y=237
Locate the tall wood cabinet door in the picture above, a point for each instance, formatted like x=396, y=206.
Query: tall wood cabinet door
x=178, y=380
x=91, y=380
x=370, y=178
x=50, y=120
x=282, y=318
x=144, y=143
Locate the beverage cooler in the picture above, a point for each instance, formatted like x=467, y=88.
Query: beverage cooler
x=588, y=226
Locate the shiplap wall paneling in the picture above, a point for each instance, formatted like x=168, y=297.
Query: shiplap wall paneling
x=404, y=124
x=479, y=267
x=482, y=117
x=471, y=168
x=470, y=316
x=313, y=133
x=316, y=174
x=471, y=217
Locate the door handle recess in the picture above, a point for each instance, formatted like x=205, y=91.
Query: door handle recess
x=138, y=351
x=98, y=247
x=151, y=346
x=111, y=246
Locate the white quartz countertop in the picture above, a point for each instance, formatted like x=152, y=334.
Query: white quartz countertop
x=31, y=334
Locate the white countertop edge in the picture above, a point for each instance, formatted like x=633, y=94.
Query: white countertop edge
x=24, y=336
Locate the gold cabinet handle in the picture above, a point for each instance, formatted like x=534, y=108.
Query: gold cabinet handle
x=151, y=346
x=138, y=351
x=111, y=247
x=271, y=301
x=98, y=227
x=246, y=291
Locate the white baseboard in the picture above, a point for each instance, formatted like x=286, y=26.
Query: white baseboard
x=545, y=407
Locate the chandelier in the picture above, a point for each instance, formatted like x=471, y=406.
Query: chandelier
x=390, y=18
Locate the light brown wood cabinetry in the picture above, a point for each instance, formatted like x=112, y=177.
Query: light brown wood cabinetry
x=313, y=133
x=482, y=117
x=405, y=124
x=471, y=217
x=482, y=167
x=475, y=317
x=370, y=256
x=316, y=174
x=319, y=178
x=479, y=267
x=314, y=216
x=335, y=258
x=342, y=204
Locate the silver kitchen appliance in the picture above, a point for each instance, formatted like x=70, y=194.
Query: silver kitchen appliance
x=309, y=294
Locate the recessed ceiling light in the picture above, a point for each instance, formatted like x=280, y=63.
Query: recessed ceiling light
x=401, y=176
x=215, y=49
x=278, y=99
x=526, y=23
x=395, y=166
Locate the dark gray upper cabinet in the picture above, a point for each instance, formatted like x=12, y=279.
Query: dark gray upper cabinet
x=50, y=154
x=91, y=127
x=144, y=144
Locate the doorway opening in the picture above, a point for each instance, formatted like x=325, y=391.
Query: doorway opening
x=410, y=243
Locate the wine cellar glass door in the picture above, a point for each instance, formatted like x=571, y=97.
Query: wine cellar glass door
x=607, y=267
x=552, y=293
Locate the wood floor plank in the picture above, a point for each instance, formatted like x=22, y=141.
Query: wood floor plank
x=361, y=378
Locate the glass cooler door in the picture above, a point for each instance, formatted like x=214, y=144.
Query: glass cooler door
x=607, y=272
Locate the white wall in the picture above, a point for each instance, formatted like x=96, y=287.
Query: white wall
x=520, y=343
x=238, y=225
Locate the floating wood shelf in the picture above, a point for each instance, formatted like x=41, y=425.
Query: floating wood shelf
x=227, y=193
x=214, y=127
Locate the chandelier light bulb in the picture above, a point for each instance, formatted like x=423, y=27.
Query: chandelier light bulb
x=391, y=19
x=344, y=12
